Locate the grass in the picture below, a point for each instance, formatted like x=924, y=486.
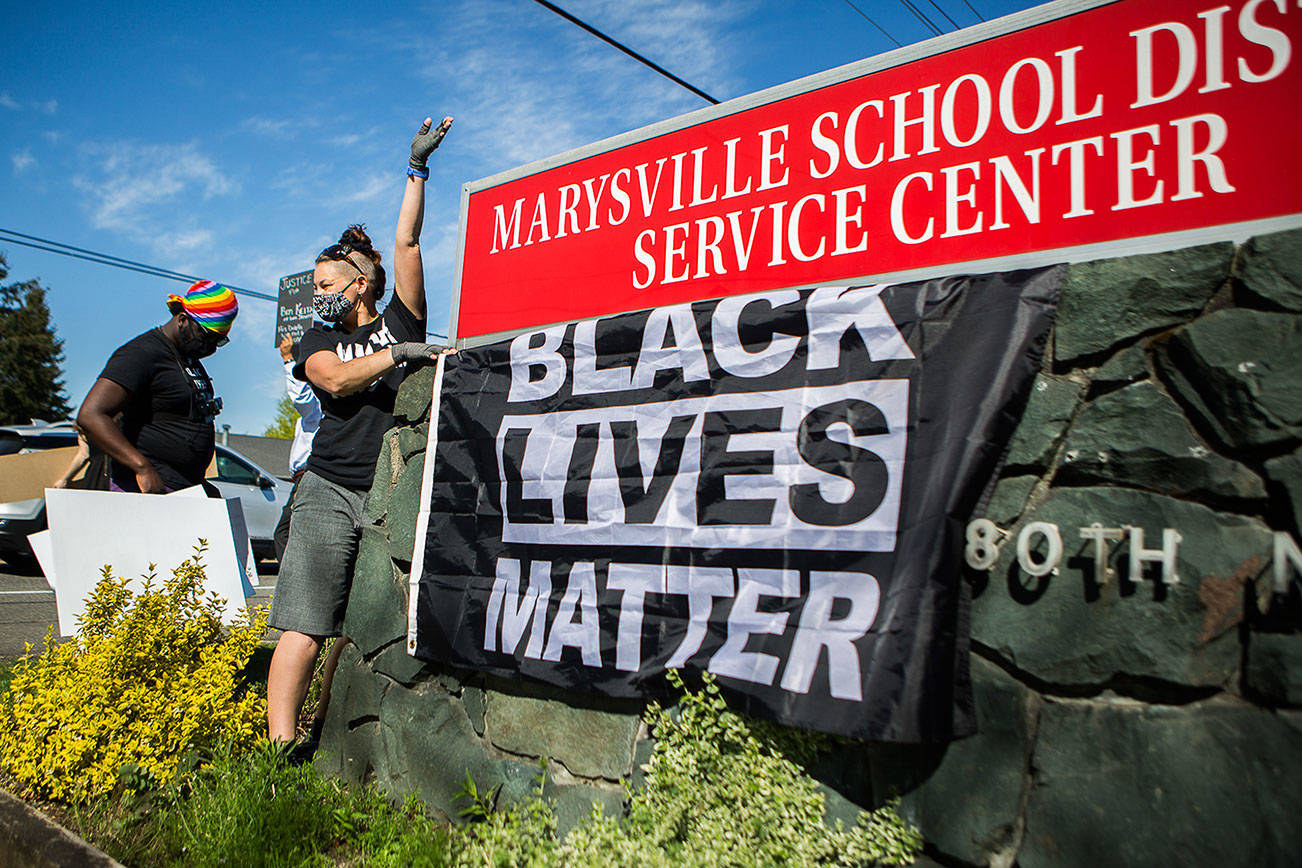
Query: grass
x=251, y=809
x=258, y=810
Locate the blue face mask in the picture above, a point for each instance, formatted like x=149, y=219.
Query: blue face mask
x=334, y=306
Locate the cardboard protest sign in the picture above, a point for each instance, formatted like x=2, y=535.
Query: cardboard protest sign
x=294, y=306
x=25, y=475
x=771, y=488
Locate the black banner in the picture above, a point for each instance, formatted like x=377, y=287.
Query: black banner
x=771, y=487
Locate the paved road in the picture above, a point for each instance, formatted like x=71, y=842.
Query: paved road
x=27, y=604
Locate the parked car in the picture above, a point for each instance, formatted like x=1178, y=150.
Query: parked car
x=262, y=496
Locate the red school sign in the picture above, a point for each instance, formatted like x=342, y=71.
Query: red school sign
x=1024, y=141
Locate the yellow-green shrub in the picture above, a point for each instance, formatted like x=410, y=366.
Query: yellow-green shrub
x=150, y=682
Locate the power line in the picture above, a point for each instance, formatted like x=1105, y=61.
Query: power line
x=115, y=261
x=944, y=13
x=624, y=48
x=979, y=16
x=37, y=243
x=918, y=14
x=874, y=24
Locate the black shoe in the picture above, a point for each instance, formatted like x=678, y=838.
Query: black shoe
x=302, y=752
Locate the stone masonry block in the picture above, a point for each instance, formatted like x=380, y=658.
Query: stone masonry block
x=1240, y=371
x=1009, y=499
x=404, y=507
x=377, y=603
x=573, y=803
x=986, y=774
x=1074, y=629
x=588, y=742
x=429, y=747
x=1271, y=268
x=414, y=395
x=1286, y=472
x=377, y=501
x=1138, y=437
x=348, y=740
x=1112, y=301
x=396, y=663
x=1048, y=410
x=1126, y=367
x=1122, y=783
x=1272, y=667
x=412, y=440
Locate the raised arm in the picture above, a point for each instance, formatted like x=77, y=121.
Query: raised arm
x=408, y=272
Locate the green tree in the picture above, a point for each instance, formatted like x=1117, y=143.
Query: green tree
x=283, y=425
x=31, y=357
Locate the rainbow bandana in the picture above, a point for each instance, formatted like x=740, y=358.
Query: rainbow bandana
x=212, y=305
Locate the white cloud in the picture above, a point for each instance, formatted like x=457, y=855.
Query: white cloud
x=689, y=39
x=142, y=190
x=23, y=160
x=185, y=240
x=275, y=128
x=263, y=272
x=557, y=87
x=298, y=182
x=346, y=141
x=368, y=190
x=49, y=106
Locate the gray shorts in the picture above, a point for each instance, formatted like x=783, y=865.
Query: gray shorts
x=317, y=569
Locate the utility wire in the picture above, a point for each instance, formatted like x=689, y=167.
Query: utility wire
x=944, y=13
x=874, y=24
x=38, y=243
x=624, y=48
x=979, y=16
x=924, y=19
x=115, y=261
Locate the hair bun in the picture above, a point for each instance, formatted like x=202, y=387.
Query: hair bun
x=355, y=236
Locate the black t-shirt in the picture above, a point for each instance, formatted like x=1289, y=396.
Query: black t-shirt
x=166, y=415
x=352, y=427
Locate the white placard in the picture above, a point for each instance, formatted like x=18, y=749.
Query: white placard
x=43, y=548
x=89, y=529
x=239, y=531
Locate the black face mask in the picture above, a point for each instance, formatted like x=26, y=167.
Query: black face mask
x=195, y=346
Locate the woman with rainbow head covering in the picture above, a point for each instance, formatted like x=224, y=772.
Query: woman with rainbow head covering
x=157, y=384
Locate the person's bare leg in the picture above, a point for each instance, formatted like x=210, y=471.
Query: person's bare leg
x=327, y=678
x=288, y=678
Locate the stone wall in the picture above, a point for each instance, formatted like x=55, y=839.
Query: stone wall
x=1123, y=720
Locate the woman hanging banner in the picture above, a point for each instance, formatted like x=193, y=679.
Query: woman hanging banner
x=771, y=488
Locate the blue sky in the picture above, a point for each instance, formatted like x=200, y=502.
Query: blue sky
x=234, y=141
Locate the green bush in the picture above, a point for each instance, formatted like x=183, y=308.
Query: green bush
x=720, y=790
x=149, y=685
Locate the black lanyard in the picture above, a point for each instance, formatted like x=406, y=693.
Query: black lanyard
x=204, y=406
